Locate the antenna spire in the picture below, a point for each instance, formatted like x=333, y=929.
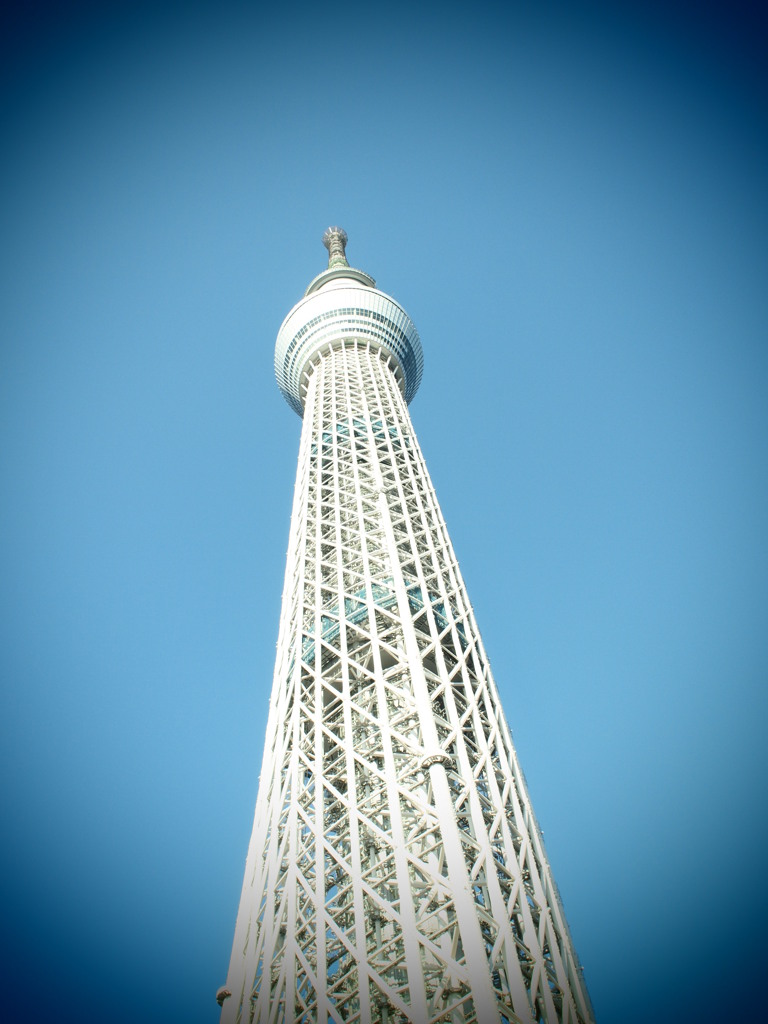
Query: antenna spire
x=335, y=240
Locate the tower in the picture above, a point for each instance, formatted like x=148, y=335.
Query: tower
x=396, y=872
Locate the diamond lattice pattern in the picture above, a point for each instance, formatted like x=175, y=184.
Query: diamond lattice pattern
x=396, y=872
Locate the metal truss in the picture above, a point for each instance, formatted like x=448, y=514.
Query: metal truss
x=396, y=872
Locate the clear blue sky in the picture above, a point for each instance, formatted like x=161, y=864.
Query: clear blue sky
x=571, y=205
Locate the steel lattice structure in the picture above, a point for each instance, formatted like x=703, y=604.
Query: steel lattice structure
x=396, y=872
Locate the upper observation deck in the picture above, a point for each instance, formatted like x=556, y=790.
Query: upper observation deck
x=342, y=305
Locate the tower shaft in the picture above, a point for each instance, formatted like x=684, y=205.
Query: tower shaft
x=396, y=872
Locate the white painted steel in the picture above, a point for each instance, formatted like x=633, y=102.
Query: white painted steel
x=396, y=872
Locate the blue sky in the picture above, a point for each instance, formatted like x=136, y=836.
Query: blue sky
x=570, y=203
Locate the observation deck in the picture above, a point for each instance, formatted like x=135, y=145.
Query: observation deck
x=339, y=306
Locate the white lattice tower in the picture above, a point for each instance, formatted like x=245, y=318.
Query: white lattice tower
x=396, y=872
